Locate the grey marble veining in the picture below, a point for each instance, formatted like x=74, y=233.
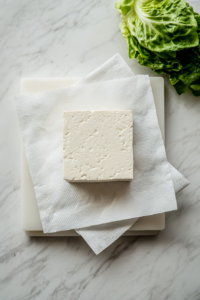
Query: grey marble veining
x=71, y=38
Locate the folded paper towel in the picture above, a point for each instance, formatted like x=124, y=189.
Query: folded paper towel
x=66, y=207
x=116, y=68
x=101, y=236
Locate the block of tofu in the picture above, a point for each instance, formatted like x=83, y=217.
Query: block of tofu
x=98, y=146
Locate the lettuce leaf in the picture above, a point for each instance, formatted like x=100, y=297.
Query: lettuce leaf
x=164, y=36
x=167, y=25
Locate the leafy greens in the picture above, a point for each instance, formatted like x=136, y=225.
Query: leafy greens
x=164, y=36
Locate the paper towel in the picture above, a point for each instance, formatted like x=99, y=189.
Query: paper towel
x=101, y=236
x=63, y=205
x=107, y=233
x=117, y=68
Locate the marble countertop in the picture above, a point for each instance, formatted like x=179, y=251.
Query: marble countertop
x=71, y=38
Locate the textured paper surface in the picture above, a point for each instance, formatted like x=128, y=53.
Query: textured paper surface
x=37, y=115
x=63, y=205
x=116, y=68
x=101, y=236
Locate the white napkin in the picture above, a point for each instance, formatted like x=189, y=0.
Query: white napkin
x=101, y=236
x=116, y=68
x=64, y=206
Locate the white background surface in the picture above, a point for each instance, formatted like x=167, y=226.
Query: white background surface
x=71, y=38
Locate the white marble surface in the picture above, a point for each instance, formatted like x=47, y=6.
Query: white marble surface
x=61, y=38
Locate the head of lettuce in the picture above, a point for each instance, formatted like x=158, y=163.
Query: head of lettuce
x=164, y=36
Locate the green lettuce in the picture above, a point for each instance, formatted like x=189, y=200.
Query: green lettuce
x=164, y=36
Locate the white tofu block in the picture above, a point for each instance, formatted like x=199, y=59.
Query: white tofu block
x=98, y=145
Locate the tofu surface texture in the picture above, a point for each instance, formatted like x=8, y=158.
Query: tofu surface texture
x=98, y=146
